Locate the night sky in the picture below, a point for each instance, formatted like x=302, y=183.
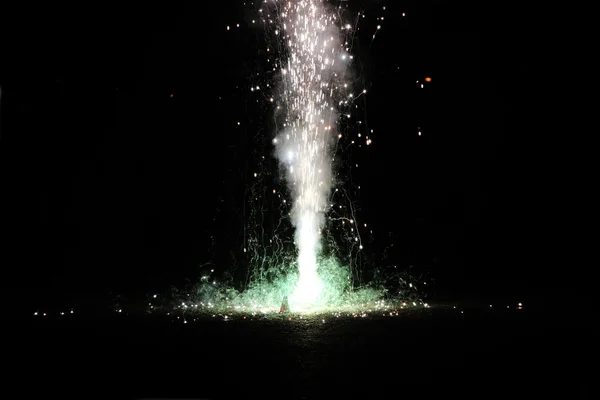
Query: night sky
x=110, y=183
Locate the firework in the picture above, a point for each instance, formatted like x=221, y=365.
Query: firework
x=308, y=87
x=314, y=59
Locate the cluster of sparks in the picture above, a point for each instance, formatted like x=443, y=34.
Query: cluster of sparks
x=310, y=53
x=309, y=50
x=310, y=86
x=312, y=63
x=191, y=312
x=211, y=297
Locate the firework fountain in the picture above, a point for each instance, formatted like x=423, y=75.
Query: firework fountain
x=303, y=147
x=309, y=65
x=308, y=50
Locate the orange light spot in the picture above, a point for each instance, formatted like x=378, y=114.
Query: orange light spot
x=428, y=79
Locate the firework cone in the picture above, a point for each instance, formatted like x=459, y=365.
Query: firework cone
x=284, y=306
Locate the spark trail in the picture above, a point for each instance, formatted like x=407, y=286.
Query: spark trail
x=314, y=59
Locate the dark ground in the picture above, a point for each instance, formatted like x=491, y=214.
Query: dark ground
x=439, y=353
